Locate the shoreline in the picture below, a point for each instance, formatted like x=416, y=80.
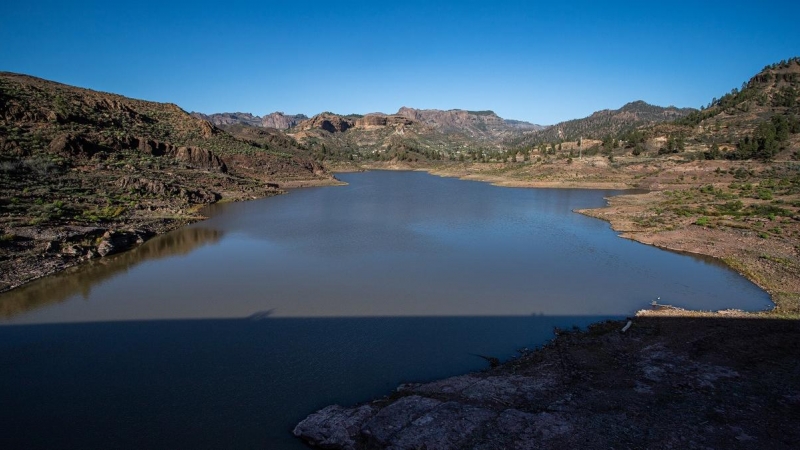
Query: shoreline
x=692, y=239
x=743, y=258
x=55, y=249
x=503, y=406
x=663, y=376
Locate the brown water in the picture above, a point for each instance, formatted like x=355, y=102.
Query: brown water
x=225, y=333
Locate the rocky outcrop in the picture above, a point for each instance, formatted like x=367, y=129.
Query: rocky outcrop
x=382, y=120
x=76, y=145
x=276, y=120
x=452, y=414
x=481, y=124
x=73, y=145
x=282, y=121
x=230, y=118
x=331, y=123
x=334, y=426
x=202, y=158
x=193, y=156
x=665, y=382
x=119, y=241
x=157, y=188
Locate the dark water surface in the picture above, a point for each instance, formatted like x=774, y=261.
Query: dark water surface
x=226, y=333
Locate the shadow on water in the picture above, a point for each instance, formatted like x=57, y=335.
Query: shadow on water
x=235, y=383
x=244, y=383
x=80, y=280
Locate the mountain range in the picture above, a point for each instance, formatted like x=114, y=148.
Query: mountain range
x=277, y=120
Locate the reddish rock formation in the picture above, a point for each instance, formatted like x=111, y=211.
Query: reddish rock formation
x=374, y=120
x=328, y=122
x=198, y=157
x=193, y=156
x=277, y=119
x=282, y=121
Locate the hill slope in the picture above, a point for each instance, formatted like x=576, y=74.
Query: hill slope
x=606, y=122
x=75, y=163
x=484, y=125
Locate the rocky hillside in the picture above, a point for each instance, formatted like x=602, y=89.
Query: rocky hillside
x=758, y=121
x=606, y=122
x=484, y=125
x=410, y=135
x=276, y=120
x=336, y=140
x=78, y=165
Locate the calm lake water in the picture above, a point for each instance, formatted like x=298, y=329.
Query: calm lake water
x=226, y=333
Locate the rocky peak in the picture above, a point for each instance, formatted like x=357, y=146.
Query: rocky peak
x=282, y=121
x=483, y=124
x=330, y=122
x=230, y=118
x=277, y=119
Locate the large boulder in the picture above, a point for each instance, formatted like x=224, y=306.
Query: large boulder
x=119, y=241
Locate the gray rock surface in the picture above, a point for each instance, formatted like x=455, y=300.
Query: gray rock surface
x=334, y=426
x=655, y=386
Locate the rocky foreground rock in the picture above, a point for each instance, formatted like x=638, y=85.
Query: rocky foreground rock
x=667, y=382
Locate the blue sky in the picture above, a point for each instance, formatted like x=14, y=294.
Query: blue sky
x=525, y=60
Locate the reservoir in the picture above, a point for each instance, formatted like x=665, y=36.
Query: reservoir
x=228, y=332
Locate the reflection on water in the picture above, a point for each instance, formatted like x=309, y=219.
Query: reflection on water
x=80, y=280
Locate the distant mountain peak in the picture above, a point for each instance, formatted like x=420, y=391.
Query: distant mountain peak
x=277, y=119
x=486, y=123
x=611, y=121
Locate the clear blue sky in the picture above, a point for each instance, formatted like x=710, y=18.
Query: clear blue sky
x=525, y=60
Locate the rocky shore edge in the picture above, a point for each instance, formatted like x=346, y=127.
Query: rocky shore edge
x=666, y=378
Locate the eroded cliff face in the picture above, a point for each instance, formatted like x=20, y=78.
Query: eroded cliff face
x=332, y=123
x=282, y=121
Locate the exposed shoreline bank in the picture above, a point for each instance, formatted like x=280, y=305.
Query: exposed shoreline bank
x=683, y=379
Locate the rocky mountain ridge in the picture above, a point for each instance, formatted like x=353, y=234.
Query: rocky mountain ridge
x=276, y=119
x=606, y=122
x=480, y=124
